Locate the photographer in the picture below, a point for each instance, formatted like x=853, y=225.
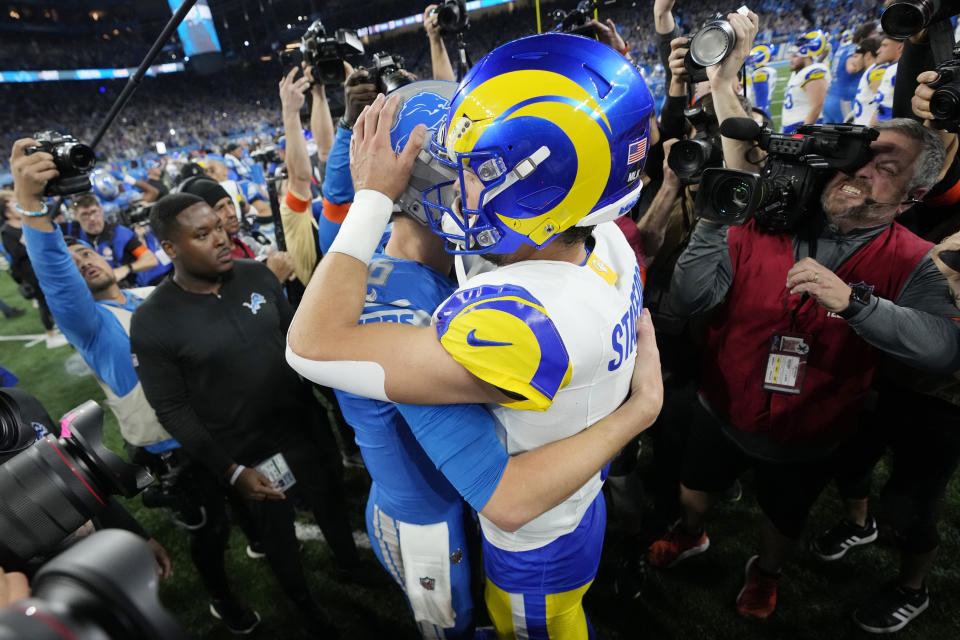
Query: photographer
x=787, y=428
x=439, y=60
x=94, y=314
x=118, y=244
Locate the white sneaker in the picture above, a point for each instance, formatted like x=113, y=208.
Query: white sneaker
x=56, y=340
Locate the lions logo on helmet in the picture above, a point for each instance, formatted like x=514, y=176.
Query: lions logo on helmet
x=104, y=185
x=424, y=103
x=555, y=127
x=760, y=55
x=811, y=44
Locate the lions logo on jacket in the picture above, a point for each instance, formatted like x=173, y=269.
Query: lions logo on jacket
x=256, y=301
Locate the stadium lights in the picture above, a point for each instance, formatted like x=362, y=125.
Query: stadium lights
x=246, y=43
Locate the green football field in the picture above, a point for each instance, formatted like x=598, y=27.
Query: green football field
x=692, y=601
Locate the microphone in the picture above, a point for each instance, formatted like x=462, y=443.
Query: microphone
x=740, y=129
x=870, y=202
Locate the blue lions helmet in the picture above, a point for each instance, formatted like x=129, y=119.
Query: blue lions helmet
x=554, y=127
x=104, y=185
x=811, y=44
x=760, y=55
x=425, y=103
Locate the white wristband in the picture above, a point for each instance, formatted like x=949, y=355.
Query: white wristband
x=364, y=225
x=236, y=474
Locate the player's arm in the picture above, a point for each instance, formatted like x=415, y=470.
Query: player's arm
x=386, y=361
x=816, y=89
x=513, y=490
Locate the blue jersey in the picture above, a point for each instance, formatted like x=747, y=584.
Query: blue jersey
x=409, y=485
x=843, y=88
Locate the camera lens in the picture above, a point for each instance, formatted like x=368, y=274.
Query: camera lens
x=53, y=487
x=945, y=103
x=689, y=157
x=712, y=43
x=732, y=197
x=79, y=156
x=903, y=19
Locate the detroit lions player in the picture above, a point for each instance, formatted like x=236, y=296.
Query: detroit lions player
x=843, y=88
x=808, y=83
x=548, y=338
x=762, y=79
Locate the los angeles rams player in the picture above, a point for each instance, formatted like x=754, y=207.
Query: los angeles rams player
x=762, y=79
x=546, y=135
x=871, y=74
x=843, y=87
x=889, y=54
x=808, y=83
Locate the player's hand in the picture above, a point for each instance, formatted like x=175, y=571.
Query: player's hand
x=745, y=27
x=358, y=92
x=292, y=90
x=646, y=387
x=607, y=34
x=253, y=485
x=373, y=163
x=810, y=277
x=922, y=94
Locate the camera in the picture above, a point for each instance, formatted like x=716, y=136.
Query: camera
x=452, y=16
x=577, y=20
x=57, y=484
x=904, y=18
x=709, y=46
x=945, y=101
x=138, y=214
x=104, y=587
x=326, y=54
x=689, y=158
x=74, y=161
x=266, y=155
x=385, y=72
x=792, y=179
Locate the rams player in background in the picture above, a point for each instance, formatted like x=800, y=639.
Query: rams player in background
x=546, y=137
x=808, y=83
x=762, y=79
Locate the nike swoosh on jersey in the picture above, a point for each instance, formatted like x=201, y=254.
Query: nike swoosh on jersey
x=474, y=341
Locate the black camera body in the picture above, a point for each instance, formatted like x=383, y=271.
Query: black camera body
x=326, y=54
x=266, y=155
x=691, y=157
x=709, y=46
x=903, y=18
x=945, y=101
x=385, y=72
x=74, y=161
x=577, y=20
x=792, y=180
x=452, y=17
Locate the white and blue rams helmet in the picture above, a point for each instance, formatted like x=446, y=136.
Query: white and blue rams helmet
x=555, y=127
x=812, y=44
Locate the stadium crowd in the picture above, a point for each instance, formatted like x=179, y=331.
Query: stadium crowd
x=439, y=263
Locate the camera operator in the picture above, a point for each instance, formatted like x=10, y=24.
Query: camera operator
x=118, y=244
x=809, y=294
x=439, y=60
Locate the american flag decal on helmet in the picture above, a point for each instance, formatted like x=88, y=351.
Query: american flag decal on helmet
x=637, y=151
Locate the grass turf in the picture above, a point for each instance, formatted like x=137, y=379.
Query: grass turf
x=693, y=600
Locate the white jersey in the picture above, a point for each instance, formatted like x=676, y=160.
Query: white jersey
x=562, y=338
x=884, y=97
x=864, y=104
x=796, y=103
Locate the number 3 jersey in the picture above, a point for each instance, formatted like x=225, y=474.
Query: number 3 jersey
x=796, y=103
x=560, y=339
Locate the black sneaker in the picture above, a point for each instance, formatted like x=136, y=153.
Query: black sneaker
x=833, y=543
x=237, y=618
x=891, y=609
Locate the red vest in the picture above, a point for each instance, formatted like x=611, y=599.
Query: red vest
x=840, y=364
